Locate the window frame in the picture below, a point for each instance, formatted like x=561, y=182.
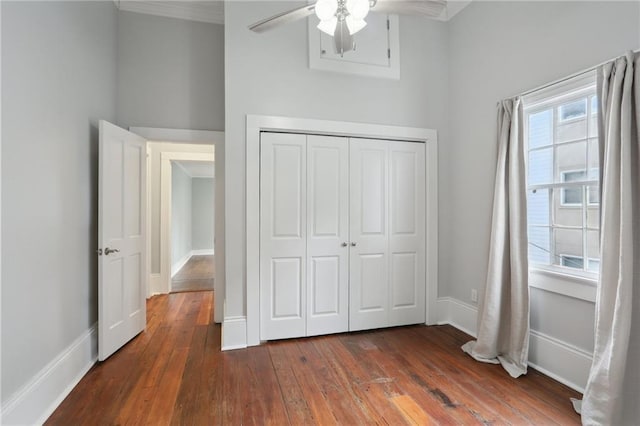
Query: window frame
x=568, y=281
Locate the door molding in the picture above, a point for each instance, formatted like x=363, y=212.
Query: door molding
x=259, y=123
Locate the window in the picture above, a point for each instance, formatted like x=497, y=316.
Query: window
x=563, y=181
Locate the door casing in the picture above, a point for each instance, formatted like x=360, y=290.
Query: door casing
x=243, y=331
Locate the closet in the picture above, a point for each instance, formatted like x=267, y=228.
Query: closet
x=342, y=234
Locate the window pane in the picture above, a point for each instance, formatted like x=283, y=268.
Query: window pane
x=538, y=207
x=593, y=213
x=541, y=129
x=594, y=105
x=572, y=196
x=594, y=195
x=567, y=242
x=594, y=163
x=593, y=246
x=568, y=206
x=539, y=245
x=571, y=261
x=576, y=176
x=593, y=126
x=573, y=110
x=594, y=266
x=541, y=166
x=571, y=158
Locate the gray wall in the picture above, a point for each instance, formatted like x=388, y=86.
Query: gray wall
x=170, y=73
x=58, y=79
x=181, y=216
x=269, y=74
x=497, y=50
x=203, y=213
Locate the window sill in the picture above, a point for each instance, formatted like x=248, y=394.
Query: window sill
x=582, y=288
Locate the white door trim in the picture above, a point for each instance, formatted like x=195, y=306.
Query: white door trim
x=155, y=134
x=205, y=137
x=165, y=209
x=258, y=123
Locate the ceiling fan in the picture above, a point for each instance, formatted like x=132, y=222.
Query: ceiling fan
x=343, y=18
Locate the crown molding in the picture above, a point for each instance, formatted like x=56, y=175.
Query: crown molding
x=201, y=11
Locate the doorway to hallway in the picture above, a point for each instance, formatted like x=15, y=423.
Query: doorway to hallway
x=196, y=275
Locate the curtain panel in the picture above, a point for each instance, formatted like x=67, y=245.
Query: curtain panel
x=612, y=395
x=503, y=314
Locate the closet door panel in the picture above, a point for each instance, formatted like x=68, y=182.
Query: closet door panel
x=369, y=232
x=407, y=233
x=327, y=231
x=283, y=220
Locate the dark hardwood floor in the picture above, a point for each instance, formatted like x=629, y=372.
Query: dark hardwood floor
x=175, y=373
x=196, y=275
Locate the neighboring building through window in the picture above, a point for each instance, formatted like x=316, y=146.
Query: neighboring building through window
x=563, y=172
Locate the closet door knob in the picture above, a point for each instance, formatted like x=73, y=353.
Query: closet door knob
x=344, y=244
x=353, y=244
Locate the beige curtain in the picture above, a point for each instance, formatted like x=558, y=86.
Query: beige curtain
x=612, y=395
x=503, y=316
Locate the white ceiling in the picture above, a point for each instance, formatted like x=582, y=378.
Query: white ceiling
x=213, y=10
x=197, y=169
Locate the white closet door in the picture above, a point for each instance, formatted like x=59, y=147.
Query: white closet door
x=327, y=235
x=283, y=226
x=406, y=233
x=369, y=235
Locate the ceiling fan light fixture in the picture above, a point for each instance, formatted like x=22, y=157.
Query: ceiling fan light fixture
x=358, y=9
x=328, y=26
x=354, y=25
x=326, y=9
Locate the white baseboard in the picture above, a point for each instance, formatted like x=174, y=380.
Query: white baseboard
x=234, y=333
x=175, y=268
x=155, y=283
x=555, y=358
x=458, y=314
x=202, y=252
x=39, y=398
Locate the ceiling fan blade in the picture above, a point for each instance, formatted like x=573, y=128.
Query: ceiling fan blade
x=282, y=18
x=429, y=8
x=343, y=39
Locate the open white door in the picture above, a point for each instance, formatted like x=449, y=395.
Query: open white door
x=121, y=238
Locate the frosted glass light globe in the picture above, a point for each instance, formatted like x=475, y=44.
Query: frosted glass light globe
x=326, y=9
x=354, y=25
x=328, y=26
x=358, y=9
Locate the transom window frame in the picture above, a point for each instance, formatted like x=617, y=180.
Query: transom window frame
x=577, y=284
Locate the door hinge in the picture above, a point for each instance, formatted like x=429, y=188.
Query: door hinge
x=388, y=25
x=389, y=53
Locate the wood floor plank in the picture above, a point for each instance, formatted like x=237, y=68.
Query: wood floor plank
x=163, y=405
x=368, y=389
x=411, y=410
x=298, y=412
x=175, y=373
x=185, y=408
